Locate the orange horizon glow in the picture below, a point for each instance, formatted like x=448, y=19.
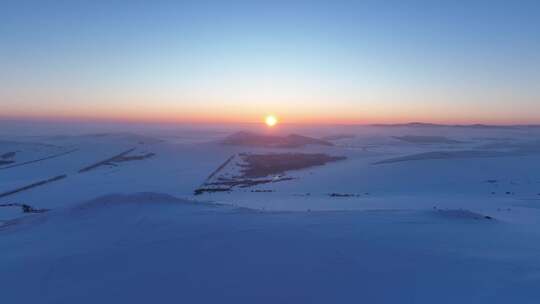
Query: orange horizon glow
x=323, y=111
x=204, y=118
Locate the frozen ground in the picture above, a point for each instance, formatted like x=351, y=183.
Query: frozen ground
x=414, y=214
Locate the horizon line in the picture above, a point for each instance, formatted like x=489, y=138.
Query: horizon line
x=157, y=122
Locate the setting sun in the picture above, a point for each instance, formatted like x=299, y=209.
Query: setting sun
x=271, y=120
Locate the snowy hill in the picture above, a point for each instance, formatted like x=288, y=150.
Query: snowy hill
x=136, y=248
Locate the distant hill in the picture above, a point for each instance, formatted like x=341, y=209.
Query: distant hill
x=271, y=141
x=410, y=124
x=431, y=125
x=417, y=139
x=338, y=137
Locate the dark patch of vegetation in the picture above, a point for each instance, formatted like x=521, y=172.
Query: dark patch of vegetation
x=200, y=191
x=244, y=183
x=122, y=157
x=25, y=208
x=343, y=195
x=256, y=168
x=220, y=167
x=130, y=158
x=108, y=161
x=39, y=160
x=37, y=184
x=260, y=165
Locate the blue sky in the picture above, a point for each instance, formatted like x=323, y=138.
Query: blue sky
x=304, y=61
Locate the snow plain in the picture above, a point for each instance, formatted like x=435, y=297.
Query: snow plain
x=415, y=214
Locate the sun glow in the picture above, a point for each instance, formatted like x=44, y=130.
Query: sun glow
x=271, y=120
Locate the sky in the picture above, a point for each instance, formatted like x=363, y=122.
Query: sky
x=337, y=62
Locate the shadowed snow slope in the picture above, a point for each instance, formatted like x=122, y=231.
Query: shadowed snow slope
x=150, y=247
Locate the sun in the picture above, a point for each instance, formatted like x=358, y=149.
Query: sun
x=271, y=120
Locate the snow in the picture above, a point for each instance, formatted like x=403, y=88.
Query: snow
x=462, y=227
x=144, y=247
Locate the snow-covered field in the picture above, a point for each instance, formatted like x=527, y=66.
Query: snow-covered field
x=413, y=214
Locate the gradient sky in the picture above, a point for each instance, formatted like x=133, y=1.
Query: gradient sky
x=304, y=61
